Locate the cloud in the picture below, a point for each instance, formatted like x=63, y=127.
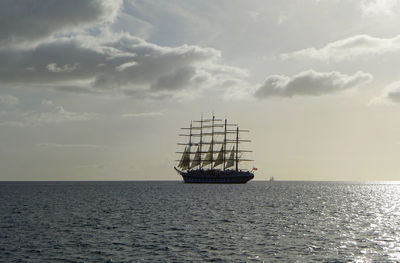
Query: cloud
x=71, y=47
x=176, y=80
x=359, y=45
x=56, y=114
x=394, y=95
x=126, y=65
x=119, y=63
x=390, y=95
x=310, y=83
x=52, y=67
x=8, y=100
x=59, y=114
x=24, y=21
x=379, y=7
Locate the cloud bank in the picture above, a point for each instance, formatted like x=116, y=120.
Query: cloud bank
x=77, y=52
x=310, y=83
x=69, y=46
x=359, y=45
x=123, y=62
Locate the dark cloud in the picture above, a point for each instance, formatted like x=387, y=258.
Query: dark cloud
x=310, y=83
x=152, y=65
x=35, y=65
x=177, y=80
x=42, y=43
x=30, y=20
x=119, y=62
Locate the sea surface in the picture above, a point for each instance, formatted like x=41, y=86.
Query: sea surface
x=176, y=222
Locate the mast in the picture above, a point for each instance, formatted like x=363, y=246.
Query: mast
x=237, y=148
x=190, y=138
x=224, y=150
x=212, y=141
x=204, y=134
x=201, y=136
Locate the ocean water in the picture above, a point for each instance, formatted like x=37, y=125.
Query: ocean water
x=176, y=222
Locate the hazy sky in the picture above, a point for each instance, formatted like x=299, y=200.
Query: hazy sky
x=97, y=90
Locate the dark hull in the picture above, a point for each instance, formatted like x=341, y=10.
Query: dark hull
x=215, y=177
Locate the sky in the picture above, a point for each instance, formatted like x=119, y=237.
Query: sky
x=98, y=89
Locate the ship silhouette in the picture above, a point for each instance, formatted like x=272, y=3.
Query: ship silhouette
x=220, y=163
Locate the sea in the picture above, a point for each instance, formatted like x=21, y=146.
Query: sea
x=168, y=221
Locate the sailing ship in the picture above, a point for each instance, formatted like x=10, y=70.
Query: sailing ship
x=271, y=179
x=220, y=163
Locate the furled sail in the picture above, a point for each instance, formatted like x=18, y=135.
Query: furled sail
x=231, y=160
x=196, y=159
x=220, y=157
x=207, y=160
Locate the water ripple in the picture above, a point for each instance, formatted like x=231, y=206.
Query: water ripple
x=171, y=221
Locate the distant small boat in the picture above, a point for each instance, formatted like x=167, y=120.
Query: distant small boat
x=271, y=179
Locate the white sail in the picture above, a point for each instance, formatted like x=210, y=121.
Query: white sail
x=196, y=159
x=220, y=157
x=181, y=162
x=186, y=160
x=207, y=160
x=231, y=160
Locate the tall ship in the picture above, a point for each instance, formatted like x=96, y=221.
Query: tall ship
x=212, y=154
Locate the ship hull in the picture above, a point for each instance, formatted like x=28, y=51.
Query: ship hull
x=215, y=176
